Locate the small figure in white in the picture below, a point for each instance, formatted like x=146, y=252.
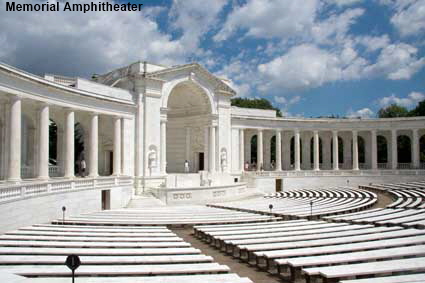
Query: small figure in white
x=223, y=161
x=151, y=161
x=272, y=165
x=83, y=168
x=186, y=166
x=246, y=166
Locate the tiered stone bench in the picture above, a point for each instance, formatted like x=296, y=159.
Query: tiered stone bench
x=297, y=203
x=146, y=254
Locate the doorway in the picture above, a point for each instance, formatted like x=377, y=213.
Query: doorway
x=106, y=199
x=278, y=185
x=201, y=161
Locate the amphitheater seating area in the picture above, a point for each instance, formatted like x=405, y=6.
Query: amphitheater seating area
x=343, y=237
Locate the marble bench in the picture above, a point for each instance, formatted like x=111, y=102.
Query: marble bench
x=411, y=278
x=106, y=260
x=96, y=251
x=204, y=278
x=75, y=244
x=117, y=270
x=296, y=264
x=338, y=272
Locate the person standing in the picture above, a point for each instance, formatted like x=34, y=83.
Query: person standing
x=186, y=166
x=83, y=168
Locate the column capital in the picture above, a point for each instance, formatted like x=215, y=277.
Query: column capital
x=296, y=130
x=316, y=132
x=335, y=132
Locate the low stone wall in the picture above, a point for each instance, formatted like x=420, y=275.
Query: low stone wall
x=266, y=182
x=202, y=195
x=41, y=203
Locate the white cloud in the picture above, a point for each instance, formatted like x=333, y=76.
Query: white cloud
x=396, y=62
x=287, y=102
x=335, y=27
x=410, y=101
x=77, y=43
x=279, y=99
x=194, y=18
x=373, y=43
x=343, y=2
x=304, y=66
x=361, y=113
x=289, y=19
x=409, y=16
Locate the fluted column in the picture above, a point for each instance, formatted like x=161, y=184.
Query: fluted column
x=212, y=149
x=163, y=153
x=394, y=157
x=335, y=149
x=241, y=149
x=117, y=146
x=415, y=149
x=278, y=150
x=374, y=150
x=188, y=144
x=260, y=160
x=297, y=150
x=355, y=151
x=69, y=144
x=316, y=151
x=94, y=143
x=14, y=166
x=43, y=143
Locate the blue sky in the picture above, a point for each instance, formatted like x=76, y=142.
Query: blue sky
x=310, y=58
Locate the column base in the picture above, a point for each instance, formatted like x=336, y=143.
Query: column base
x=14, y=180
x=43, y=178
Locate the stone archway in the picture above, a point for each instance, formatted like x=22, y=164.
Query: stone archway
x=188, y=121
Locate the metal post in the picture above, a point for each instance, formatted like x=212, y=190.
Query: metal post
x=73, y=276
x=63, y=214
x=311, y=209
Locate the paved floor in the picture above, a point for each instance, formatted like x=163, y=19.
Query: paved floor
x=240, y=268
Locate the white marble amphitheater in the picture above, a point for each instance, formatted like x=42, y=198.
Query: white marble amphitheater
x=306, y=200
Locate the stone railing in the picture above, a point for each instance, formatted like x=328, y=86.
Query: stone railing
x=333, y=173
x=54, y=171
x=26, y=190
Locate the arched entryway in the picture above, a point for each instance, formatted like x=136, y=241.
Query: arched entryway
x=404, y=153
x=422, y=151
x=382, y=150
x=188, y=132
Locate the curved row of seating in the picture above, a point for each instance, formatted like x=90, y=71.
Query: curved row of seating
x=149, y=254
x=164, y=215
x=337, y=192
x=311, y=203
x=406, y=210
x=322, y=250
x=404, y=195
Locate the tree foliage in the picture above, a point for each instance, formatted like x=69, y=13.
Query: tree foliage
x=258, y=103
x=395, y=110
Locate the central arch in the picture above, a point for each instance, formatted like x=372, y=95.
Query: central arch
x=188, y=118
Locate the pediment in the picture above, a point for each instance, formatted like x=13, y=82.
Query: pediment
x=198, y=71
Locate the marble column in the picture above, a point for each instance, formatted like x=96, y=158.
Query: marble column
x=117, y=147
x=260, y=160
x=188, y=146
x=69, y=144
x=335, y=149
x=94, y=143
x=316, y=166
x=355, y=151
x=374, y=150
x=415, y=149
x=394, y=157
x=163, y=153
x=297, y=165
x=212, y=149
x=43, y=143
x=278, y=150
x=241, y=149
x=14, y=166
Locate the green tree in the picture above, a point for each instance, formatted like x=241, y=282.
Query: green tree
x=419, y=110
x=258, y=103
x=393, y=111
